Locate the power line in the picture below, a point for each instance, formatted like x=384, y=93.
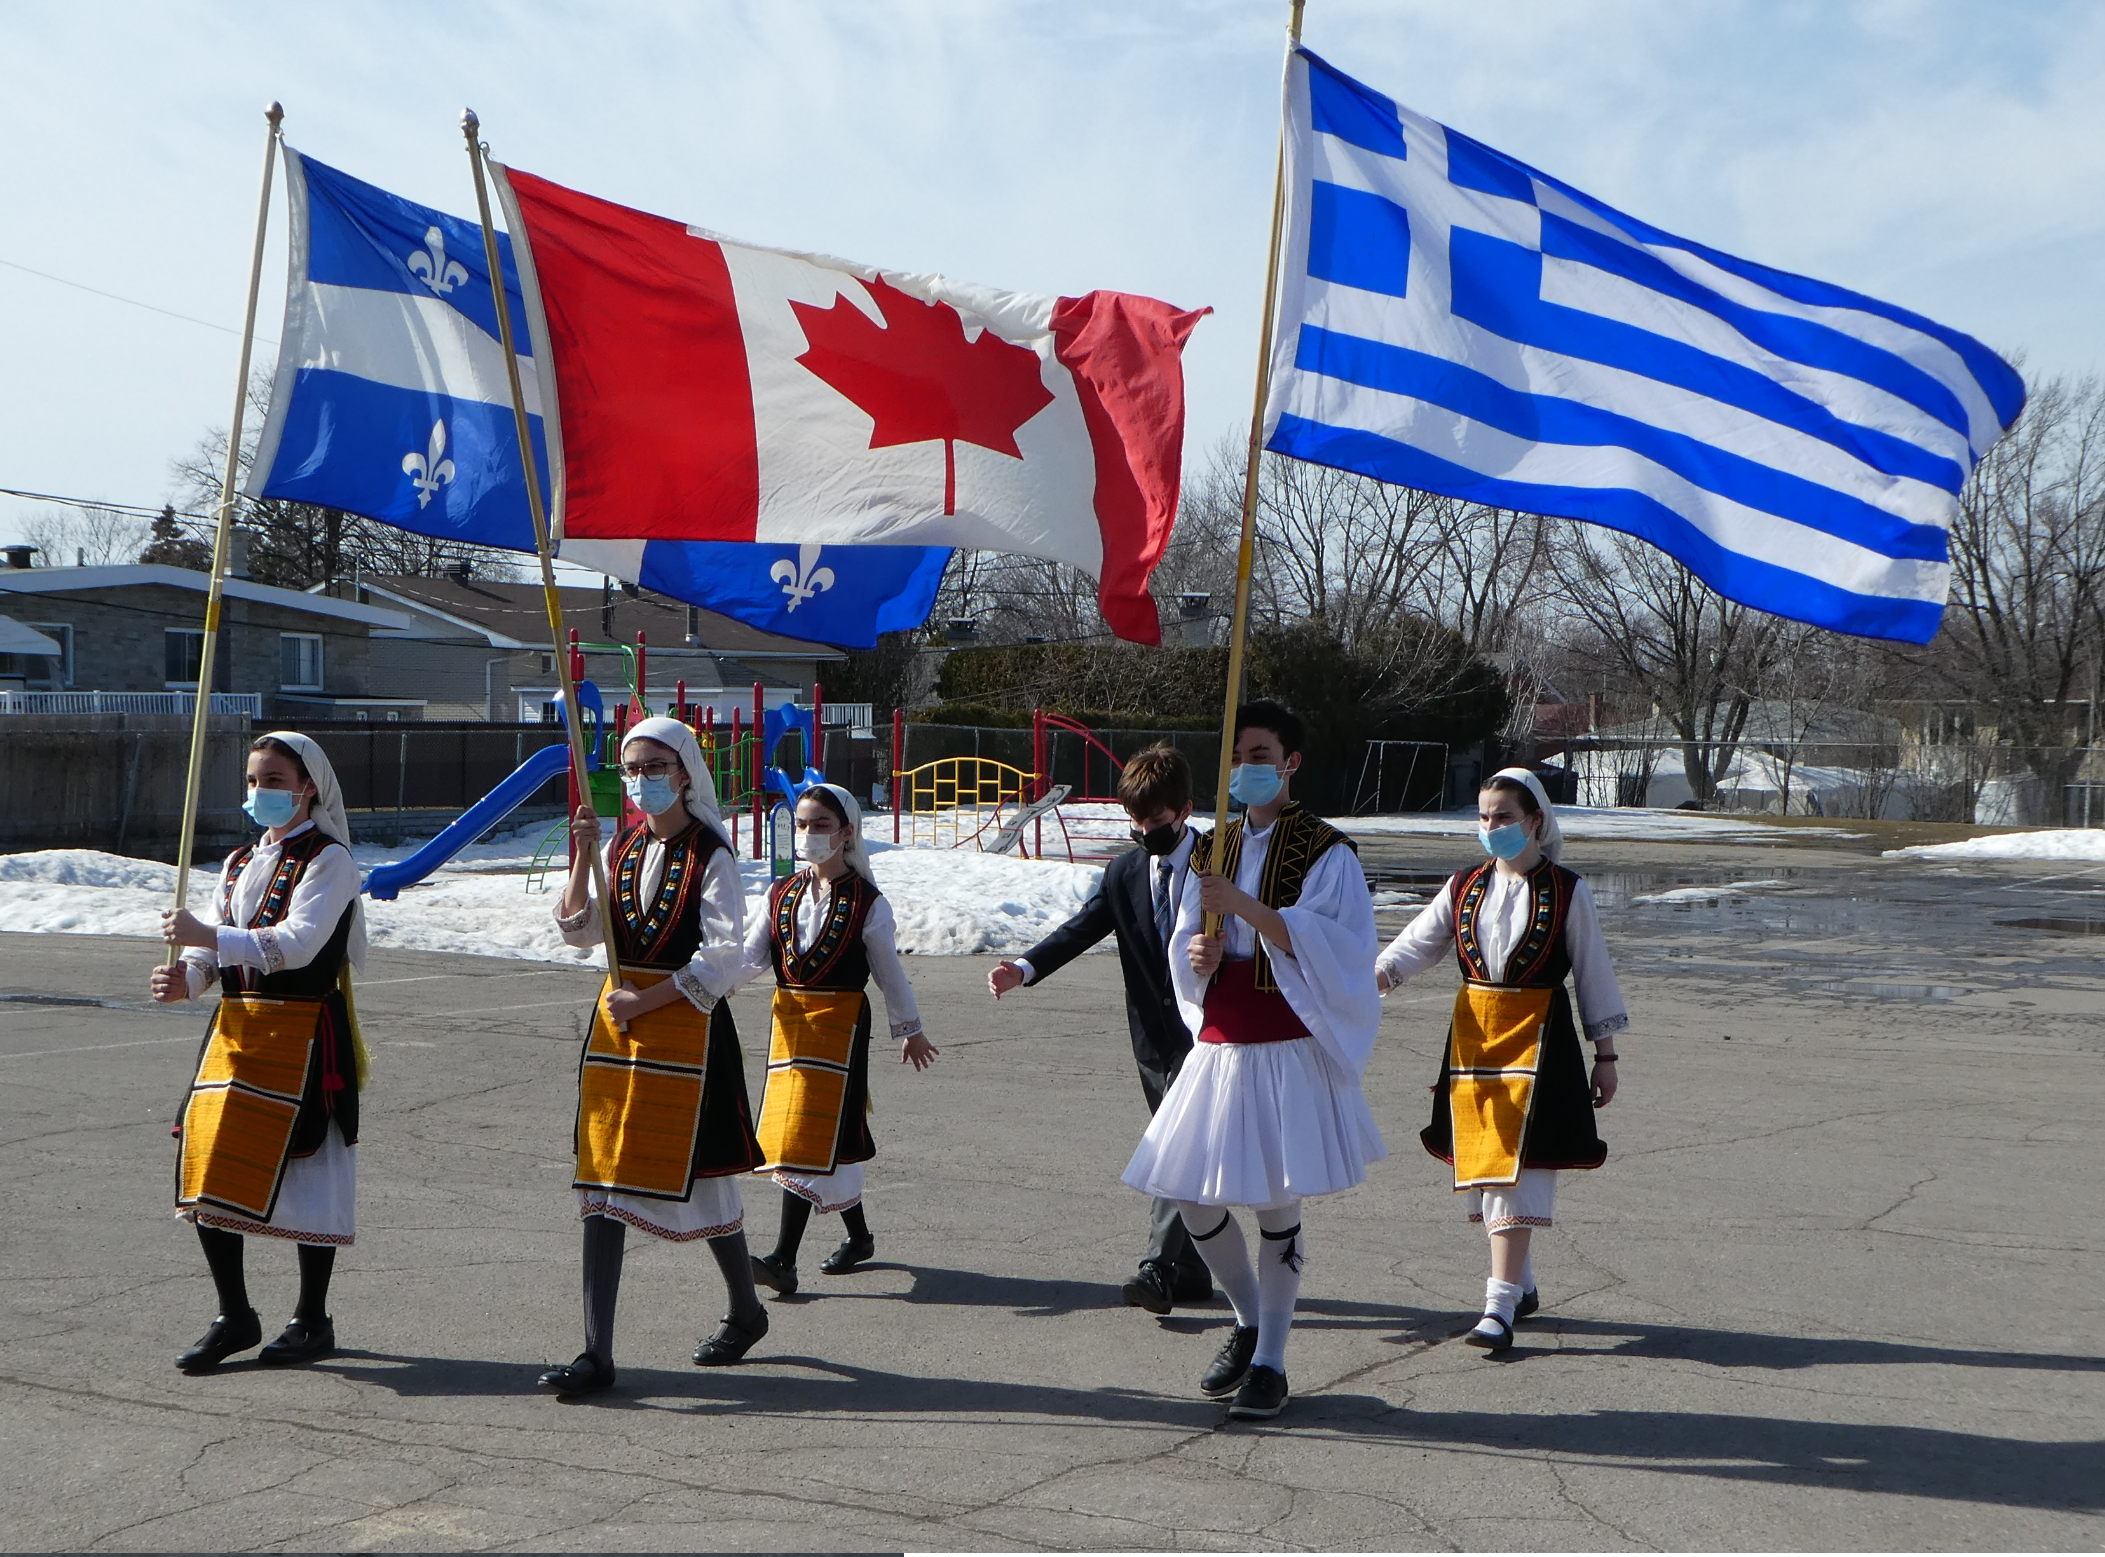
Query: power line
x=152, y=308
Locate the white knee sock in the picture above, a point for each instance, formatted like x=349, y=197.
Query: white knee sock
x=1499, y=1300
x=1278, y=1282
x=1527, y=1268
x=1225, y=1254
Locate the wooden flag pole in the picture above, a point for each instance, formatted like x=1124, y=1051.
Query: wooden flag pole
x=1246, y=551
x=223, y=528
x=573, y=718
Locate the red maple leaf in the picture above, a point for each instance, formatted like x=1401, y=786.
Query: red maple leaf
x=919, y=378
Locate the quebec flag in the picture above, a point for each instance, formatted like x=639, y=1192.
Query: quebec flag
x=391, y=401
x=1454, y=320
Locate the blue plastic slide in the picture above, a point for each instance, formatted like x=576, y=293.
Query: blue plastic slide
x=387, y=881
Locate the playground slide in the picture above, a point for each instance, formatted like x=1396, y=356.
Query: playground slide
x=387, y=881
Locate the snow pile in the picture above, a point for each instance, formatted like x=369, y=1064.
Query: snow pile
x=2060, y=843
x=1712, y=894
x=949, y=903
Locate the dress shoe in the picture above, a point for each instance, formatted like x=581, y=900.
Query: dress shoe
x=300, y=1341
x=228, y=1335
x=730, y=1343
x=1264, y=1393
x=851, y=1253
x=1496, y=1341
x=1149, y=1289
x=773, y=1271
x=1529, y=1302
x=586, y=1376
x=1191, y=1286
x=1232, y=1365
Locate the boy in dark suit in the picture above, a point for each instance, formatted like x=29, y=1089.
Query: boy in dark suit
x=1137, y=900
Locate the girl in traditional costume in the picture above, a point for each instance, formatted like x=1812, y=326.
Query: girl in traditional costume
x=1514, y=1105
x=663, y=1126
x=827, y=934
x=1266, y=1110
x=269, y=1130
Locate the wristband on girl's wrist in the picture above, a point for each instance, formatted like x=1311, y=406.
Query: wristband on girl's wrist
x=1604, y=1059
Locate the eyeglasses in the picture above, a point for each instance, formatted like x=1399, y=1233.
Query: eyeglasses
x=659, y=769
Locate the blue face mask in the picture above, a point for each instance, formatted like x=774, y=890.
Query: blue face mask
x=651, y=796
x=1506, y=843
x=272, y=807
x=1254, y=783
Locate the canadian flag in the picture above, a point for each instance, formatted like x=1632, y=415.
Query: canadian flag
x=709, y=390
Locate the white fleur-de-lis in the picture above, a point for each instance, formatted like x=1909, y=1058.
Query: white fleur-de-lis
x=800, y=580
x=432, y=268
x=430, y=470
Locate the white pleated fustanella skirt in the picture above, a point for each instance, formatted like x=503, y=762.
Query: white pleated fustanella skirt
x=1256, y=1124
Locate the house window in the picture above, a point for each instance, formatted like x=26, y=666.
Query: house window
x=185, y=652
x=300, y=662
x=60, y=670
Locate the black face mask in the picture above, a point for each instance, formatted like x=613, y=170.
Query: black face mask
x=1159, y=841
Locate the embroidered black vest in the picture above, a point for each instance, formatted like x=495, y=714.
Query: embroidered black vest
x=664, y=931
x=1299, y=839
x=318, y=977
x=1541, y=960
x=837, y=959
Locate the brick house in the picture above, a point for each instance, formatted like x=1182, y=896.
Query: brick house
x=140, y=628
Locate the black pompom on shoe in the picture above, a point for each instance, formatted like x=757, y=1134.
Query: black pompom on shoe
x=229, y=1334
x=1264, y=1393
x=730, y=1343
x=851, y=1253
x=1232, y=1364
x=776, y=1274
x=586, y=1376
x=298, y=1342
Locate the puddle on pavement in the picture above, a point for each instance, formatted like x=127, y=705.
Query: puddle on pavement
x=1877, y=990
x=2064, y=926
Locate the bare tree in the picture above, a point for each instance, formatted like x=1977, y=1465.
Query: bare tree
x=87, y=535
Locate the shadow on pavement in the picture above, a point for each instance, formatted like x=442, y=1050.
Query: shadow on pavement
x=1741, y=1349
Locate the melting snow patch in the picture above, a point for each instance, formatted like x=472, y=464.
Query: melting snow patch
x=1711, y=894
x=2061, y=843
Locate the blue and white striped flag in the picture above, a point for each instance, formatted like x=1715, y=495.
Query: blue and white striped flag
x=1453, y=320
x=391, y=401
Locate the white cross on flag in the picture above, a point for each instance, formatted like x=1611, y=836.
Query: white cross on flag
x=708, y=390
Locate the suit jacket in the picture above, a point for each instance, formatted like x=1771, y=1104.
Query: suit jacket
x=1123, y=904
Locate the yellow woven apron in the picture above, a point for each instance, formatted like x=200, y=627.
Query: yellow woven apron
x=237, y=1124
x=1495, y=1051
x=639, y=1097
x=807, y=1077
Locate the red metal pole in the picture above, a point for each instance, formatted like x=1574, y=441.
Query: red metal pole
x=898, y=757
x=679, y=692
x=759, y=772
x=577, y=658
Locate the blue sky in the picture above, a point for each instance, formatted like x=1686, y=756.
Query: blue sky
x=1948, y=155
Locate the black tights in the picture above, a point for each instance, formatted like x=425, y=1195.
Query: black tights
x=223, y=1255
x=796, y=1212
x=605, y=1240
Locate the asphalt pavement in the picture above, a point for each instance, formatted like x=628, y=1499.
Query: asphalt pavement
x=1837, y=1287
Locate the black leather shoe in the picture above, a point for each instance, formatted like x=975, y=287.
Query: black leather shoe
x=1264, y=1393
x=1149, y=1289
x=1495, y=1344
x=1186, y=1286
x=300, y=1341
x=775, y=1273
x=1529, y=1302
x=730, y=1343
x=228, y=1335
x=586, y=1376
x=1232, y=1365
x=851, y=1253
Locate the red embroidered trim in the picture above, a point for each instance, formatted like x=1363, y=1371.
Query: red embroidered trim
x=624, y=1214
x=240, y=1224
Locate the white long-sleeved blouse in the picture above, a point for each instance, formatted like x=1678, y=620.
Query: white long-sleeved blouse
x=880, y=931
x=327, y=887
x=712, y=972
x=1502, y=919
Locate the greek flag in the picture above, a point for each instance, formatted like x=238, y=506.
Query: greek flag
x=391, y=401
x=1453, y=320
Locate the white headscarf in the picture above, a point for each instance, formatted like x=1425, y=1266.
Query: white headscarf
x=700, y=794
x=327, y=813
x=857, y=856
x=1552, y=840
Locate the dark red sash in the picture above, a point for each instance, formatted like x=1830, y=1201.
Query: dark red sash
x=1237, y=1011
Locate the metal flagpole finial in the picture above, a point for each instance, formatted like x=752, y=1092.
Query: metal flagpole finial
x=469, y=123
x=275, y=113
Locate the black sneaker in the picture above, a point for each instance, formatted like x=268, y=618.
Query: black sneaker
x=1149, y=1289
x=1232, y=1365
x=1264, y=1393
